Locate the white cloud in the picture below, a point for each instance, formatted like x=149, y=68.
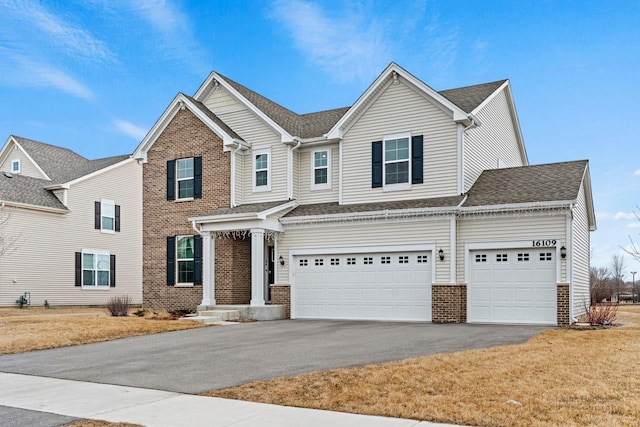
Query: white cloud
x=637, y=172
x=606, y=216
x=634, y=225
x=130, y=129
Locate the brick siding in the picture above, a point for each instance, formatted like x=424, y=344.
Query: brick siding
x=281, y=295
x=186, y=136
x=449, y=303
x=563, y=304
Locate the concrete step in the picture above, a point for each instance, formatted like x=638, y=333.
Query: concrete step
x=204, y=319
x=223, y=314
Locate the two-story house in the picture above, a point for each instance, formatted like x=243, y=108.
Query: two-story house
x=412, y=204
x=70, y=228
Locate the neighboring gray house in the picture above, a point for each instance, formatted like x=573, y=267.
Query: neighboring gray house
x=75, y=223
x=412, y=204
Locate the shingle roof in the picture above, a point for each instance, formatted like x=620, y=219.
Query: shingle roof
x=469, y=97
x=26, y=190
x=528, y=184
x=248, y=208
x=334, y=208
x=213, y=117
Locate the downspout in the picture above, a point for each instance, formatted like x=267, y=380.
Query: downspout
x=193, y=225
x=453, y=230
x=474, y=123
x=290, y=166
x=233, y=175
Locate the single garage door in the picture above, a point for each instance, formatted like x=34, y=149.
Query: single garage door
x=513, y=286
x=373, y=286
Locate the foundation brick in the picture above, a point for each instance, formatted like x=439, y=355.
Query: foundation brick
x=281, y=295
x=563, y=305
x=449, y=303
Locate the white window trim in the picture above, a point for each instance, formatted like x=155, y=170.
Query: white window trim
x=315, y=186
x=16, y=161
x=399, y=186
x=193, y=178
x=112, y=203
x=261, y=188
x=95, y=287
x=177, y=260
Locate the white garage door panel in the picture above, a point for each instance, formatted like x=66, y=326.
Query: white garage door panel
x=377, y=286
x=512, y=286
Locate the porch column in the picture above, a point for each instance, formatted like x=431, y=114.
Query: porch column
x=208, y=269
x=257, y=266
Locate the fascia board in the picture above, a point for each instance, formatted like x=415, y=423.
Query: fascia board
x=67, y=185
x=33, y=207
x=284, y=135
x=224, y=218
x=586, y=182
x=264, y=214
x=517, y=206
x=368, y=214
x=17, y=144
x=246, y=224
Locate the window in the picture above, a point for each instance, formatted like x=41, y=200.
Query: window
x=385, y=260
x=15, y=166
x=403, y=259
x=95, y=269
x=335, y=261
x=262, y=170
x=107, y=216
x=502, y=258
x=545, y=256
x=397, y=161
x=523, y=257
x=321, y=170
x=184, y=260
x=481, y=258
x=319, y=261
x=351, y=261
x=184, y=179
x=422, y=259
x=304, y=262
x=368, y=260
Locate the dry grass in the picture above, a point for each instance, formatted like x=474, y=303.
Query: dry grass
x=38, y=328
x=562, y=377
x=99, y=423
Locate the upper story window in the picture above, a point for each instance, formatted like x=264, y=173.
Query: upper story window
x=321, y=170
x=397, y=162
x=184, y=178
x=107, y=216
x=15, y=166
x=95, y=269
x=262, y=170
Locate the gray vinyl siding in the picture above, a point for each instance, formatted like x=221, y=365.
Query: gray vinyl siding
x=44, y=263
x=255, y=131
x=305, y=177
x=508, y=229
x=350, y=235
x=580, y=255
x=27, y=167
x=398, y=109
x=494, y=140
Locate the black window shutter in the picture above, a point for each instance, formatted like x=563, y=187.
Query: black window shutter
x=197, y=260
x=117, y=217
x=416, y=160
x=171, y=260
x=112, y=271
x=78, y=269
x=97, y=219
x=171, y=179
x=376, y=164
x=197, y=177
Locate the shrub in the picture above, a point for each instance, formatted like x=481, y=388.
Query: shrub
x=601, y=314
x=119, y=306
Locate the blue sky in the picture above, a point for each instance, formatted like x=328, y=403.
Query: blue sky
x=94, y=75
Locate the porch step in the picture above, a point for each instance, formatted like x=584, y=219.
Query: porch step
x=204, y=319
x=225, y=315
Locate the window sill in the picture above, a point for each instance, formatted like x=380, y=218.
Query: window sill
x=107, y=231
x=186, y=199
x=96, y=288
x=183, y=285
x=322, y=187
x=396, y=187
x=262, y=189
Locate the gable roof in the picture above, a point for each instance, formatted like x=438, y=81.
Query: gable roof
x=554, y=182
x=469, y=98
x=25, y=190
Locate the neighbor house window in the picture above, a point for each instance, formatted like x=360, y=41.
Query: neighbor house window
x=15, y=166
x=184, y=179
x=321, y=170
x=95, y=269
x=107, y=216
x=184, y=260
x=397, y=161
x=262, y=170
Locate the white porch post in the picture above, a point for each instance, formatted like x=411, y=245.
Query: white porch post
x=208, y=269
x=257, y=266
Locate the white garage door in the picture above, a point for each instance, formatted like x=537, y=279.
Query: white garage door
x=513, y=286
x=375, y=286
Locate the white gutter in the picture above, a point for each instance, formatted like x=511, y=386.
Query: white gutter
x=517, y=206
x=33, y=207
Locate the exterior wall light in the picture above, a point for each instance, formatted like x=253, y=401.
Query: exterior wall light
x=563, y=252
x=281, y=260
x=441, y=254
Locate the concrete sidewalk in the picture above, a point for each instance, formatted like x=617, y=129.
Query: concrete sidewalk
x=162, y=408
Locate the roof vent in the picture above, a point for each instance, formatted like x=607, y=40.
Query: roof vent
x=8, y=174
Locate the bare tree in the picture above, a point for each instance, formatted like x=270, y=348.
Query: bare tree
x=599, y=284
x=8, y=241
x=617, y=269
x=633, y=250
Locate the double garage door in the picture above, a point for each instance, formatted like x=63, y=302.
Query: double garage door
x=373, y=286
x=513, y=286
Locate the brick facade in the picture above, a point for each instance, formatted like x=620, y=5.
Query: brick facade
x=449, y=303
x=563, y=304
x=281, y=295
x=186, y=136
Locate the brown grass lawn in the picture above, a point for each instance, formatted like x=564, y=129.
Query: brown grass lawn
x=38, y=328
x=561, y=377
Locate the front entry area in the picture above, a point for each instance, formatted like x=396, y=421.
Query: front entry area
x=515, y=286
x=363, y=286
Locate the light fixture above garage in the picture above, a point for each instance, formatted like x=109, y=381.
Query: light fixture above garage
x=563, y=252
x=281, y=260
x=441, y=254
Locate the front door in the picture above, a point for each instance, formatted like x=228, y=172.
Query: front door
x=269, y=272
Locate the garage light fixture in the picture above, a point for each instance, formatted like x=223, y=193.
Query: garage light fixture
x=441, y=254
x=281, y=260
x=563, y=252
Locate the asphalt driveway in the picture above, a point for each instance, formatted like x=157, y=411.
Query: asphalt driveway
x=197, y=360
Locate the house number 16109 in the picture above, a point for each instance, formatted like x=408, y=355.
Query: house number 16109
x=540, y=243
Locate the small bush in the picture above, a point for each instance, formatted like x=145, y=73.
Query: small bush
x=119, y=306
x=601, y=314
x=140, y=312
